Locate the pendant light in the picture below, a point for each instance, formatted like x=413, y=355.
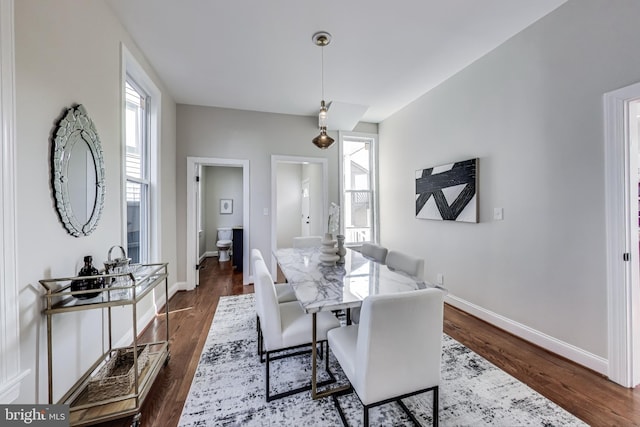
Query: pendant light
x=323, y=141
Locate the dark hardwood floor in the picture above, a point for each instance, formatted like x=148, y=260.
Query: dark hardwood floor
x=586, y=394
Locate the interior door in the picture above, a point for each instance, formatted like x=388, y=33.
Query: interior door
x=305, y=212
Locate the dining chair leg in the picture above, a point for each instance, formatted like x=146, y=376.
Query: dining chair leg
x=365, y=417
x=266, y=367
x=365, y=411
x=326, y=358
x=260, y=340
x=409, y=413
x=336, y=403
x=269, y=357
x=435, y=407
x=259, y=332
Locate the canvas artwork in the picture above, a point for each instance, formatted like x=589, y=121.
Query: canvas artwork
x=448, y=192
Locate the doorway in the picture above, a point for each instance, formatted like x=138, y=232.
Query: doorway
x=622, y=193
x=299, y=198
x=194, y=197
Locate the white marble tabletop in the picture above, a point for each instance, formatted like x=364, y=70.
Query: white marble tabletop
x=323, y=288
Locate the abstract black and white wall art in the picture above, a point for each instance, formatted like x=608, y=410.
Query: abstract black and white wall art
x=448, y=192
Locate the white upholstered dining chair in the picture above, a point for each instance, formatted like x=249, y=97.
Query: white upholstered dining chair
x=307, y=241
x=284, y=293
x=283, y=290
x=408, y=264
x=395, y=351
x=375, y=252
x=285, y=326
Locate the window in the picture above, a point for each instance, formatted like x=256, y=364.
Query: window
x=141, y=159
x=137, y=172
x=359, y=204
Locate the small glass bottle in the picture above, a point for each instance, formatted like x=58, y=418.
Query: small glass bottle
x=88, y=269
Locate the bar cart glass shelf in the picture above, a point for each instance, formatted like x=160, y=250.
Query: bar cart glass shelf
x=89, y=400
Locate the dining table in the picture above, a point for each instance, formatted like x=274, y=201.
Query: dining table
x=339, y=286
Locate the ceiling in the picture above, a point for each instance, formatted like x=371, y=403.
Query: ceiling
x=258, y=55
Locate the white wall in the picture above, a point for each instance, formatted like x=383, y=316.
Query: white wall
x=68, y=52
x=531, y=110
x=222, y=183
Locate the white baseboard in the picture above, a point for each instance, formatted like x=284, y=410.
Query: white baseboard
x=207, y=254
x=150, y=314
x=178, y=286
x=538, y=338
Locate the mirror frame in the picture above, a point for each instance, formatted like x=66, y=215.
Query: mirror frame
x=76, y=122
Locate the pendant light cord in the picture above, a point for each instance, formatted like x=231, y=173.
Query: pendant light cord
x=322, y=71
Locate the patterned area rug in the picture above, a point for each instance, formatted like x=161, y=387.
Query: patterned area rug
x=228, y=387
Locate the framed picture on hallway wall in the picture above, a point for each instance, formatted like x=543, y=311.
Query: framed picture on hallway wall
x=448, y=192
x=226, y=206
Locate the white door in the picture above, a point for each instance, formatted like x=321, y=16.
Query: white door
x=305, y=212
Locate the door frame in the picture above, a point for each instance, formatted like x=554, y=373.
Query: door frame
x=304, y=223
x=193, y=163
x=623, y=287
x=275, y=159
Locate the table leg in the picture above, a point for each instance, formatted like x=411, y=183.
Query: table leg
x=314, y=362
x=315, y=394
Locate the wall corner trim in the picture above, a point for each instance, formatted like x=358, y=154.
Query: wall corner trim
x=10, y=372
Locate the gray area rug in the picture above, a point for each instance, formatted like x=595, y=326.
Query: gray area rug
x=228, y=387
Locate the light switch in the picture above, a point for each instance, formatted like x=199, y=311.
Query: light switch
x=498, y=214
x=265, y=212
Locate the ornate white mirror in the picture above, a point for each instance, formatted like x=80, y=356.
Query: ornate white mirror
x=77, y=172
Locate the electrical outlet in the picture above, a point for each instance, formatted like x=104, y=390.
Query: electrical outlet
x=440, y=279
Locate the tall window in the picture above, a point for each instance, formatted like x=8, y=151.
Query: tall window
x=137, y=172
x=359, y=206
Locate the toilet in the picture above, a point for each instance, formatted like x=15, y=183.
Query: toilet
x=224, y=243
